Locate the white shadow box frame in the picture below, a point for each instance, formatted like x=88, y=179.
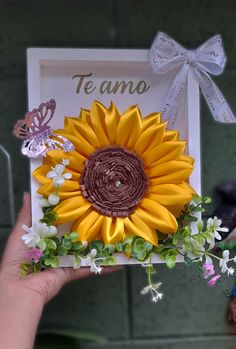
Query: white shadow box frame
x=62, y=74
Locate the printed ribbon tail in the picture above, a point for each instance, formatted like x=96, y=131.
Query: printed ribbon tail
x=216, y=102
x=175, y=95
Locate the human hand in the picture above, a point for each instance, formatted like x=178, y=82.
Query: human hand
x=22, y=299
x=40, y=286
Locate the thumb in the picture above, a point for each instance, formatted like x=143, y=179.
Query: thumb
x=24, y=216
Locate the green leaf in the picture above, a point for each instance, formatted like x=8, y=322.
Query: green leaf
x=77, y=259
x=74, y=237
x=42, y=245
x=128, y=240
x=109, y=249
x=97, y=244
x=141, y=255
x=200, y=225
x=51, y=245
x=159, y=249
x=189, y=218
x=77, y=245
x=61, y=250
x=207, y=200
x=148, y=246
x=139, y=245
x=200, y=240
x=150, y=269
x=175, y=238
x=119, y=247
x=54, y=262
x=197, y=199
x=110, y=260
x=67, y=244
x=170, y=262
x=128, y=249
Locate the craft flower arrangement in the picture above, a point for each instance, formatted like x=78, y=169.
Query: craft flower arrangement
x=121, y=181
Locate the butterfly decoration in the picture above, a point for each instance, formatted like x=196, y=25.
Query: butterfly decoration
x=37, y=134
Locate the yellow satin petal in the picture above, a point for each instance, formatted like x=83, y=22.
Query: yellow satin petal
x=170, y=135
x=71, y=208
x=97, y=117
x=90, y=226
x=76, y=160
x=129, y=128
x=135, y=225
x=170, y=172
x=150, y=138
x=157, y=216
x=113, y=229
x=46, y=189
x=153, y=139
x=85, y=116
x=163, y=153
x=175, y=209
x=186, y=158
x=81, y=145
x=112, y=118
x=78, y=127
x=170, y=194
x=40, y=174
x=151, y=119
x=67, y=186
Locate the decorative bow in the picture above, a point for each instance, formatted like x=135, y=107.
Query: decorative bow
x=166, y=54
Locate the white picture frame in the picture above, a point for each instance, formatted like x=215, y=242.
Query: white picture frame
x=51, y=75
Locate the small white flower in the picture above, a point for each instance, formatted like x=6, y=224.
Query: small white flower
x=38, y=230
x=97, y=269
x=224, y=260
x=44, y=203
x=230, y=271
x=146, y=289
x=214, y=224
x=225, y=255
x=57, y=175
x=157, y=297
x=31, y=239
x=53, y=199
x=65, y=162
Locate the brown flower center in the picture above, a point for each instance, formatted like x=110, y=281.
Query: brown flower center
x=114, y=181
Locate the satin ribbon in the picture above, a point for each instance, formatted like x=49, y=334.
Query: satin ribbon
x=166, y=55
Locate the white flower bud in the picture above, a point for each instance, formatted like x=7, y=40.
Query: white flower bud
x=44, y=203
x=53, y=199
x=93, y=253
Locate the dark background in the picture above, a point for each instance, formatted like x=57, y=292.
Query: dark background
x=191, y=315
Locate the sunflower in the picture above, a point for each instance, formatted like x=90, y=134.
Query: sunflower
x=129, y=175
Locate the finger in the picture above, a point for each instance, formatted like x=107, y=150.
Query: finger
x=15, y=248
x=24, y=216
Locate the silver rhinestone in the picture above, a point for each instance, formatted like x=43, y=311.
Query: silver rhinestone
x=117, y=183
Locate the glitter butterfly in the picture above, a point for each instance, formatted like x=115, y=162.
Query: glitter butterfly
x=37, y=134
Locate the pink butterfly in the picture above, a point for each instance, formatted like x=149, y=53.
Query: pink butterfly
x=37, y=134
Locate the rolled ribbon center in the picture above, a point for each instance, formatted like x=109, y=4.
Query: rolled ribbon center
x=114, y=181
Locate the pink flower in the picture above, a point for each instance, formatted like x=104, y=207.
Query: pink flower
x=35, y=254
x=208, y=270
x=213, y=280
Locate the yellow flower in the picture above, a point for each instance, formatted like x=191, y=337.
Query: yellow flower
x=129, y=175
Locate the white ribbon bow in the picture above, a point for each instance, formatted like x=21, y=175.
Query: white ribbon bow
x=166, y=54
